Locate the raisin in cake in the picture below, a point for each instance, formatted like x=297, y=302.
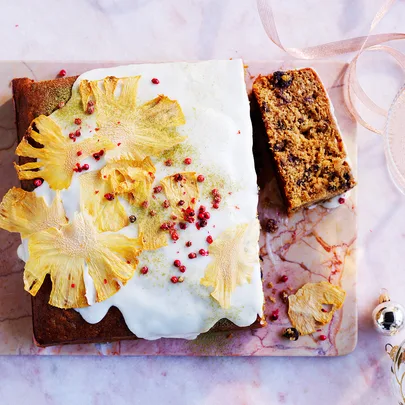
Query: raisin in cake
x=308, y=151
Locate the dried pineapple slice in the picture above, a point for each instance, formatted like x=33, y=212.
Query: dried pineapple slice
x=153, y=237
x=235, y=253
x=109, y=215
x=24, y=212
x=131, y=178
x=58, y=157
x=63, y=253
x=305, y=306
x=139, y=131
x=182, y=191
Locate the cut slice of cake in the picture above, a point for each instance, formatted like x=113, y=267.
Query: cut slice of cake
x=308, y=151
x=148, y=173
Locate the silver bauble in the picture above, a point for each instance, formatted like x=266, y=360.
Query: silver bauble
x=389, y=318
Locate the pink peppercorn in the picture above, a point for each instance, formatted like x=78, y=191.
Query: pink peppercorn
x=274, y=315
x=174, y=235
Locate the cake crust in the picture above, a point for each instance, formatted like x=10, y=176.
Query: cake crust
x=308, y=151
x=51, y=325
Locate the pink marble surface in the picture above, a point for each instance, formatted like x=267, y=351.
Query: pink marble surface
x=313, y=245
x=185, y=29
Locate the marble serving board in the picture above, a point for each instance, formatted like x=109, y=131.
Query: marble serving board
x=314, y=245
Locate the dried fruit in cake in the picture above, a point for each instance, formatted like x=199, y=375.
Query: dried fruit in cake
x=282, y=79
x=97, y=199
x=306, y=307
x=58, y=157
x=182, y=192
x=132, y=179
x=307, y=148
x=140, y=130
x=24, y=212
x=234, y=254
x=68, y=252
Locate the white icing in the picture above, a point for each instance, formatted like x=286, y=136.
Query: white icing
x=44, y=191
x=22, y=250
x=214, y=101
x=89, y=285
x=334, y=202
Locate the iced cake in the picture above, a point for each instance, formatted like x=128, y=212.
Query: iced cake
x=307, y=149
x=142, y=221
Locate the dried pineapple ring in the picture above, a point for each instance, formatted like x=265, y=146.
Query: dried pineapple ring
x=58, y=157
x=153, y=237
x=235, y=254
x=109, y=215
x=139, y=131
x=305, y=306
x=181, y=187
x=63, y=253
x=24, y=212
x=131, y=178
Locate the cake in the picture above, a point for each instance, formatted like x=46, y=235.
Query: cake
x=309, y=155
x=137, y=237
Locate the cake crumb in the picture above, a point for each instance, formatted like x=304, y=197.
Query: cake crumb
x=284, y=296
x=271, y=226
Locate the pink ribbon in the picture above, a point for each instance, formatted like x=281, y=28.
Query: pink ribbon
x=370, y=42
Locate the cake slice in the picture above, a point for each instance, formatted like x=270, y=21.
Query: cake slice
x=308, y=151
